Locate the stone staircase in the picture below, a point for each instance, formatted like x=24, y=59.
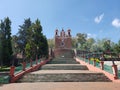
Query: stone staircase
x=64, y=69
x=64, y=76
x=64, y=52
x=62, y=60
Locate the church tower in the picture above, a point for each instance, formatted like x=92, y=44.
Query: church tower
x=63, y=39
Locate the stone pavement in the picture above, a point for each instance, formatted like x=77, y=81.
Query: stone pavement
x=62, y=86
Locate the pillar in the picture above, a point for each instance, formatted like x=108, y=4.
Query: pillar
x=115, y=71
x=31, y=62
x=89, y=60
x=12, y=70
x=102, y=65
x=24, y=65
x=94, y=62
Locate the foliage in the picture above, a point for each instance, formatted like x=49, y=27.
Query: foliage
x=22, y=35
x=106, y=45
x=74, y=42
x=81, y=38
x=15, y=47
x=36, y=44
x=117, y=47
x=51, y=43
x=95, y=59
x=5, y=42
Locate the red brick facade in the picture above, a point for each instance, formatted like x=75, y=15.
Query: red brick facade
x=63, y=40
x=63, y=43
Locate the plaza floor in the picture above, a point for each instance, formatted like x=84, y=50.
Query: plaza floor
x=62, y=86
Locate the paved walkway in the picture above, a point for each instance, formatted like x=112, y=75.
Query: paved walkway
x=62, y=86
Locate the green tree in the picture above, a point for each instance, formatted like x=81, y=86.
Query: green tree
x=81, y=39
x=51, y=43
x=36, y=42
x=74, y=42
x=106, y=45
x=1, y=61
x=23, y=35
x=88, y=44
x=15, y=44
x=30, y=48
x=37, y=37
x=117, y=47
x=5, y=37
x=44, y=48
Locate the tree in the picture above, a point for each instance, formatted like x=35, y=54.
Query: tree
x=74, y=42
x=106, y=45
x=117, y=47
x=81, y=39
x=44, y=48
x=40, y=40
x=99, y=45
x=15, y=44
x=5, y=37
x=36, y=43
x=88, y=44
x=23, y=35
x=51, y=43
x=1, y=61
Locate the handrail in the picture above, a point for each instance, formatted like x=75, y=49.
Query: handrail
x=33, y=66
x=93, y=59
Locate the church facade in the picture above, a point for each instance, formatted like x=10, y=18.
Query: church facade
x=63, y=39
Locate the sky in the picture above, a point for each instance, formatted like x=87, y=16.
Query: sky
x=97, y=18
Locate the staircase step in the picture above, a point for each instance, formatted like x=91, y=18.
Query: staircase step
x=64, y=52
x=63, y=61
x=64, y=76
x=64, y=67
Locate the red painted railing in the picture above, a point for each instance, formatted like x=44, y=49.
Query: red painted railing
x=15, y=76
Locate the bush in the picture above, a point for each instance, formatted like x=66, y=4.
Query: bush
x=96, y=59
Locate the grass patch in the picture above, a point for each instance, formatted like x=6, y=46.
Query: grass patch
x=4, y=69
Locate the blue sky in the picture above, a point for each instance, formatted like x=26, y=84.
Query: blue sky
x=97, y=18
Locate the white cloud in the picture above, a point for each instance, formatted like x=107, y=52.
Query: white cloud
x=116, y=23
x=99, y=18
x=89, y=35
